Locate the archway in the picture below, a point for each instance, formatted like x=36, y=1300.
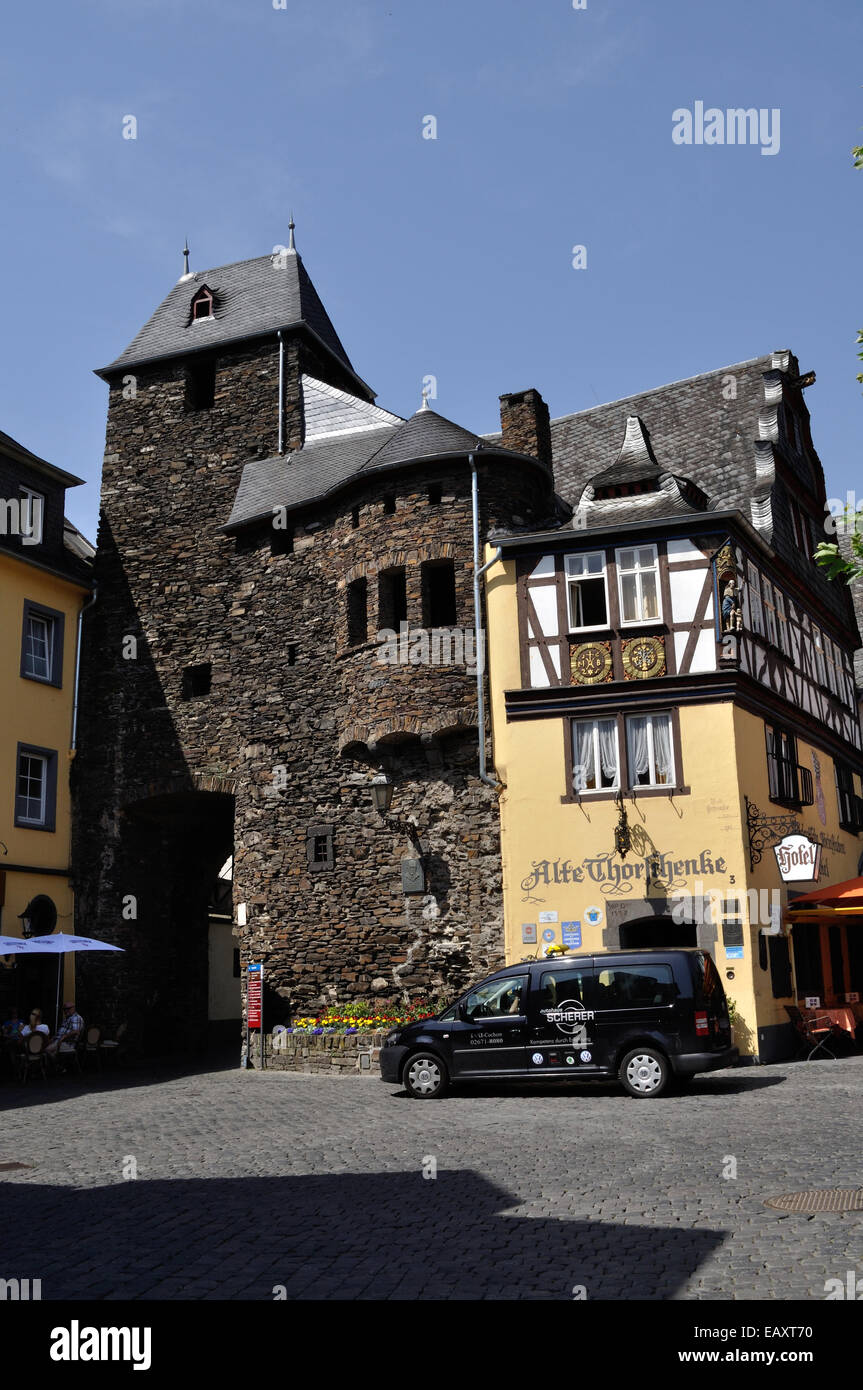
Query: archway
x=659, y=932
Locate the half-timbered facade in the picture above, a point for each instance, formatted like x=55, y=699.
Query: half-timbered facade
x=681, y=695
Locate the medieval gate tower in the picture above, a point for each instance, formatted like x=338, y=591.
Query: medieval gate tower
x=263, y=521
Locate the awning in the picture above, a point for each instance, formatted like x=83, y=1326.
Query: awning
x=831, y=902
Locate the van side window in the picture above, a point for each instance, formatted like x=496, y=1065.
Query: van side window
x=639, y=986
x=558, y=987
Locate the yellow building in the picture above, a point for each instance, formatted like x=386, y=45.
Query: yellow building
x=672, y=698
x=45, y=581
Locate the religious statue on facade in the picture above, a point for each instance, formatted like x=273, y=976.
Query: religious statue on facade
x=732, y=618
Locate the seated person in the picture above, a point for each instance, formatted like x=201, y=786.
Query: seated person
x=13, y=1025
x=69, y=1031
x=35, y=1025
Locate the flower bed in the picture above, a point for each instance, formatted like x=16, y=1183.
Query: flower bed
x=365, y=1018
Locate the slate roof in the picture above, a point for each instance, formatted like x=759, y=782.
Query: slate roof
x=252, y=298
x=346, y=438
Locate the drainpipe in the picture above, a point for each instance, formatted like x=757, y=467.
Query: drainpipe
x=281, y=391
x=88, y=604
x=479, y=645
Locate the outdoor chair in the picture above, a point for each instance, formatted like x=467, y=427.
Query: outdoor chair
x=68, y=1055
x=91, y=1045
x=116, y=1046
x=813, y=1032
x=32, y=1054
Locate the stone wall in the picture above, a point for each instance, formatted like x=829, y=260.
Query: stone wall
x=282, y=746
x=350, y=1054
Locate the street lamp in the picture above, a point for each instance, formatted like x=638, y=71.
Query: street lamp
x=382, y=791
x=25, y=920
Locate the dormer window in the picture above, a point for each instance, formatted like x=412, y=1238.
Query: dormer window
x=202, y=304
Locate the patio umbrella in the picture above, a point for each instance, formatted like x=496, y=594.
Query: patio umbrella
x=58, y=943
x=847, y=895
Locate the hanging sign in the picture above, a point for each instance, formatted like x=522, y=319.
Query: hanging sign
x=255, y=994
x=798, y=858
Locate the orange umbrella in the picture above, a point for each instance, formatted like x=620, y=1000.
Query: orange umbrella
x=847, y=896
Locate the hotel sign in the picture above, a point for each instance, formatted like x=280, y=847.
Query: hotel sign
x=798, y=858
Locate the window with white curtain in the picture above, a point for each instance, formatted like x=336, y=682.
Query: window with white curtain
x=782, y=623
x=650, y=751
x=770, y=610
x=638, y=584
x=595, y=761
x=587, y=591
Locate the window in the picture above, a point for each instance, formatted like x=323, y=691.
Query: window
x=42, y=644
x=638, y=583
x=292, y=653
x=392, y=599
x=282, y=541
x=649, y=749
x=355, y=518
x=834, y=667
x=389, y=504
x=782, y=623
x=358, y=619
x=789, y=783
x=435, y=494
x=800, y=525
x=32, y=516
x=36, y=788
x=770, y=611
x=587, y=591
x=850, y=804
x=571, y=987
x=641, y=986
x=319, y=847
x=595, y=762
x=497, y=998
x=756, y=613
x=201, y=385
x=197, y=681
x=818, y=640
x=438, y=593
x=202, y=305
x=780, y=966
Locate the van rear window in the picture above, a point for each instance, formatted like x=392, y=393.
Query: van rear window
x=709, y=982
x=635, y=986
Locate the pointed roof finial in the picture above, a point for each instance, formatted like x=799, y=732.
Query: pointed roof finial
x=425, y=405
x=291, y=246
x=187, y=274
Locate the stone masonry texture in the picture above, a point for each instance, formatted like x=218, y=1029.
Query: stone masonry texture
x=168, y=783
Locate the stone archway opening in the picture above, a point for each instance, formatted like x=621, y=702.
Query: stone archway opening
x=178, y=984
x=658, y=932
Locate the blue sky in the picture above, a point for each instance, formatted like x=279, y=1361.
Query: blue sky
x=450, y=256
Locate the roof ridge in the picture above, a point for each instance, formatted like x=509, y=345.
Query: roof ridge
x=664, y=386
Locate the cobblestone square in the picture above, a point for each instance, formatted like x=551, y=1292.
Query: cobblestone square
x=255, y=1185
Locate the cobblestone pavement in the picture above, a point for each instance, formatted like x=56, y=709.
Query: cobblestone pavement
x=247, y=1181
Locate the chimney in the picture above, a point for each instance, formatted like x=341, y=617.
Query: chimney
x=525, y=425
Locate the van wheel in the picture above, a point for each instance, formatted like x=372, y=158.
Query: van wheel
x=424, y=1077
x=644, y=1072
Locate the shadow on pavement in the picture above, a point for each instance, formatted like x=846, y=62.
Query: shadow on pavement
x=345, y=1236
x=63, y=1086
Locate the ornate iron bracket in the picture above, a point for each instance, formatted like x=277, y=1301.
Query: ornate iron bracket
x=766, y=831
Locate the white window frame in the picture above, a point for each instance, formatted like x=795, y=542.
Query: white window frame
x=638, y=571
x=768, y=595
x=820, y=659
x=756, y=607
x=597, y=761
x=49, y=647
x=782, y=621
x=28, y=514
x=573, y=579
x=651, y=755
x=43, y=802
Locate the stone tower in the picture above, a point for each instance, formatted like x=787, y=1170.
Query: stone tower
x=263, y=522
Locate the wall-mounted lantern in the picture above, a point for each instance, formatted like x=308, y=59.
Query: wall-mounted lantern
x=382, y=791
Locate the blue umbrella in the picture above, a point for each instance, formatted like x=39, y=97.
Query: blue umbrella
x=58, y=943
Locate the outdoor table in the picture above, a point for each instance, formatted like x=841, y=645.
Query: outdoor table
x=840, y=1014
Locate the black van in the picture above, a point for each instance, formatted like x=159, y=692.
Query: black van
x=643, y=1016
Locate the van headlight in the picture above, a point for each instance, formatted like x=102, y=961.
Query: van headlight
x=391, y=1039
